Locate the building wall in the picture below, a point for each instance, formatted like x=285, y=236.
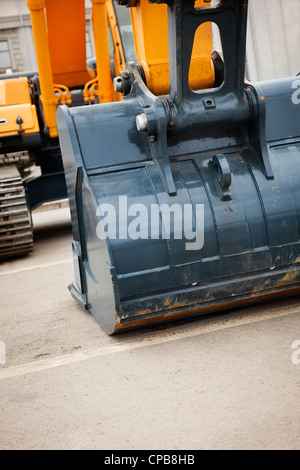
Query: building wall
x=273, y=43
x=12, y=36
x=273, y=48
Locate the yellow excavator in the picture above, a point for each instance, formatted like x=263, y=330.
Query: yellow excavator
x=28, y=103
x=29, y=100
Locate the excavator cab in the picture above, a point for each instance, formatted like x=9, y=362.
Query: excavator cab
x=184, y=195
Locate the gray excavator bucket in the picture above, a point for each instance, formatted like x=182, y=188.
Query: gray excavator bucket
x=186, y=203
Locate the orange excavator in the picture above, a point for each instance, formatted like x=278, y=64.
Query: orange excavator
x=29, y=100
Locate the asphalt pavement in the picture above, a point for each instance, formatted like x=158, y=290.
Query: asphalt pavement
x=226, y=381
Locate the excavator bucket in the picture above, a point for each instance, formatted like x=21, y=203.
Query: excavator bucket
x=185, y=203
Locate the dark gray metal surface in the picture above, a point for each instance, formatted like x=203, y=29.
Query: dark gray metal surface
x=45, y=188
x=239, y=157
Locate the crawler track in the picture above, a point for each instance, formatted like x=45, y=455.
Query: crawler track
x=16, y=234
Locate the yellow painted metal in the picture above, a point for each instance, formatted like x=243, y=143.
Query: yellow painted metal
x=89, y=90
x=66, y=28
x=14, y=90
x=59, y=30
x=15, y=102
x=202, y=71
x=150, y=29
x=63, y=94
x=39, y=28
x=9, y=116
x=119, y=56
x=99, y=20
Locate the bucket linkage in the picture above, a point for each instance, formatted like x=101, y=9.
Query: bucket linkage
x=185, y=203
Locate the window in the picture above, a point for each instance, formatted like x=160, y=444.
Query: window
x=125, y=27
x=5, y=61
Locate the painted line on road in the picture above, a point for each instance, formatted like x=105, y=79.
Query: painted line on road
x=160, y=338
x=38, y=266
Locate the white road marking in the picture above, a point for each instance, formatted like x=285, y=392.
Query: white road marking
x=39, y=266
x=160, y=338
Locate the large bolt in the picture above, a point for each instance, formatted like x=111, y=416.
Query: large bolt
x=142, y=123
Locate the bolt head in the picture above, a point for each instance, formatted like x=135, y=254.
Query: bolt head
x=141, y=122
